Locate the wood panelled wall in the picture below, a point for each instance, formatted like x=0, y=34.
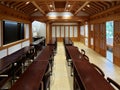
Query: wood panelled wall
x=61, y=31
x=116, y=43
x=97, y=38
x=99, y=35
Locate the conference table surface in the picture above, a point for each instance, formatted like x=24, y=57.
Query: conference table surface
x=67, y=41
x=12, y=58
x=89, y=76
x=32, y=77
x=74, y=52
x=46, y=53
x=52, y=41
x=38, y=41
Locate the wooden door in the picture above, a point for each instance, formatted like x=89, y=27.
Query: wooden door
x=97, y=37
x=103, y=39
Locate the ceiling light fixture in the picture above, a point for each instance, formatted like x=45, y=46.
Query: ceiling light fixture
x=69, y=5
x=88, y=5
x=27, y=3
x=35, y=9
x=51, y=5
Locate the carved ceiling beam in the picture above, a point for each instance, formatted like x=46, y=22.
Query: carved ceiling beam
x=106, y=11
x=37, y=6
x=60, y=18
x=82, y=7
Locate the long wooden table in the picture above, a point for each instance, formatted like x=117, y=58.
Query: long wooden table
x=67, y=41
x=46, y=53
x=73, y=52
x=32, y=77
x=86, y=74
x=12, y=58
x=53, y=42
x=38, y=44
x=90, y=77
x=39, y=41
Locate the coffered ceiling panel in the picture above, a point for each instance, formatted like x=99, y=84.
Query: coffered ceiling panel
x=76, y=7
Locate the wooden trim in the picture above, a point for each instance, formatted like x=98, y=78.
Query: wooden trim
x=36, y=5
x=1, y=33
x=82, y=7
x=73, y=30
x=60, y=32
x=64, y=32
x=12, y=44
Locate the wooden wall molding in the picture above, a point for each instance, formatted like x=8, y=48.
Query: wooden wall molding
x=12, y=44
x=60, y=18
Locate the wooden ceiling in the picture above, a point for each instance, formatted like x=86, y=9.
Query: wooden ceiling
x=89, y=7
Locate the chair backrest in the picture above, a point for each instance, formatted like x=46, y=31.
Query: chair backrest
x=113, y=83
x=46, y=80
x=83, y=51
x=85, y=57
x=98, y=69
x=31, y=53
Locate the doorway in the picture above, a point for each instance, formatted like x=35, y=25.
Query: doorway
x=109, y=40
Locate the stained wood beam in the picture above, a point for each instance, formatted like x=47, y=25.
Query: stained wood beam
x=82, y=7
x=60, y=18
x=101, y=5
x=106, y=11
x=90, y=10
x=36, y=5
x=63, y=0
x=90, y=0
x=97, y=6
x=11, y=14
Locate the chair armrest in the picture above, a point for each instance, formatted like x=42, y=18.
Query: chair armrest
x=83, y=51
x=98, y=69
x=113, y=82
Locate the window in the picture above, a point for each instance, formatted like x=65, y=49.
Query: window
x=109, y=32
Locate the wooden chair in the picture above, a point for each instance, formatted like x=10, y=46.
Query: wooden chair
x=5, y=76
x=98, y=69
x=46, y=79
x=85, y=57
x=29, y=57
x=113, y=83
x=31, y=53
x=82, y=51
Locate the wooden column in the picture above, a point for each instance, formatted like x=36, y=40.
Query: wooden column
x=116, y=43
x=103, y=39
x=30, y=32
x=89, y=29
x=48, y=32
x=78, y=32
x=97, y=38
